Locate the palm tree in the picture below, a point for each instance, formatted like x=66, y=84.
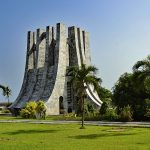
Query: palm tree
x=143, y=66
x=80, y=78
x=6, y=91
x=141, y=71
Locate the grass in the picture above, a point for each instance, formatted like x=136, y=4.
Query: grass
x=25, y=136
x=56, y=117
x=5, y=117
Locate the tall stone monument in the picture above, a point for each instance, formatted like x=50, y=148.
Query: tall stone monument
x=50, y=52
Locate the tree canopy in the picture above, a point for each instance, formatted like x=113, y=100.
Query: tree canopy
x=133, y=89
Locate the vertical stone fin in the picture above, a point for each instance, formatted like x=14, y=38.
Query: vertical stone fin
x=59, y=72
x=87, y=48
x=74, y=52
x=81, y=46
x=41, y=47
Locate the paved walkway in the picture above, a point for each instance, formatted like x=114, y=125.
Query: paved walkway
x=99, y=123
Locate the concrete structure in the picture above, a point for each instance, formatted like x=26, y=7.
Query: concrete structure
x=49, y=52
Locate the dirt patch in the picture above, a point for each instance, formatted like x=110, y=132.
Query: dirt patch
x=117, y=129
x=6, y=139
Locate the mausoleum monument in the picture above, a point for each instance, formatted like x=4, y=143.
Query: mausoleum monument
x=50, y=52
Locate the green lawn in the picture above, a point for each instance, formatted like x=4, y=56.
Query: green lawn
x=8, y=117
x=25, y=136
x=56, y=117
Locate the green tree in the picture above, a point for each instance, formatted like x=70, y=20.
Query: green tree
x=104, y=94
x=147, y=84
x=6, y=91
x=103, y=108
x=128, y=92
x=141, y=71
x=134, y=89
x=80, y=78
x=123, y=91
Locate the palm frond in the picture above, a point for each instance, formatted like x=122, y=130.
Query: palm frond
x=92, y=69
x=4, y=89
x=71, y=71
x=7, y=91
x=138, y=65
x=93, y=80
x=143, y=65
x=81, y=75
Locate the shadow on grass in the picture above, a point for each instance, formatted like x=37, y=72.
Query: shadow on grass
x=30, y=132
x=142, y=143
x=117, y=129
x=94, y=136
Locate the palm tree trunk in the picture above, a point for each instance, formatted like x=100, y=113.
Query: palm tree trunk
x=82, y=127
x=8, y=100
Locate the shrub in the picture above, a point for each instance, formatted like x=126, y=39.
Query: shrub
x=110, y=115
x=95, y=117
x=24, y=113
x=69, y=115
x=29, y=111
x=126, y=114
x=34, y=110
x=103, y=108
x=8, y=104
x=40, y=110
x=89, y=109
x=147, y=114
x=5, y=111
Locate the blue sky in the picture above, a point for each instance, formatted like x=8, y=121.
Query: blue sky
x=119, y=33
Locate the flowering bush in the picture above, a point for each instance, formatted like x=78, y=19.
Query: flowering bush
x=34, y=110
